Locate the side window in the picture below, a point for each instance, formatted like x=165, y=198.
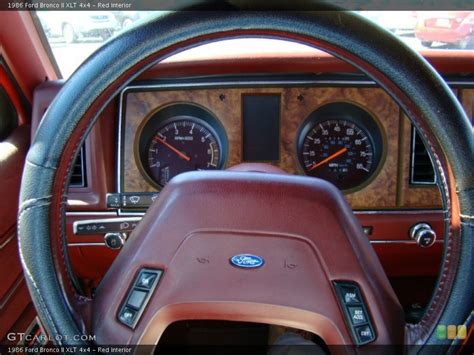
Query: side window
x=8, y=115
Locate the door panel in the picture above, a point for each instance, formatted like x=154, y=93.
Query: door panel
x=15, y=303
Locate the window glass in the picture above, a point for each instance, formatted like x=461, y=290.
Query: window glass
x=74, y=35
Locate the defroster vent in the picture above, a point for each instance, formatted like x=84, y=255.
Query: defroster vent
x=78, y=177
x=421, y=167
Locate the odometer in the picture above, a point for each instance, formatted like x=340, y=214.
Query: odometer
x=342, y=144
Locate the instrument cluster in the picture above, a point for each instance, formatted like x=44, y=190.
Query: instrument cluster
x=339, y=142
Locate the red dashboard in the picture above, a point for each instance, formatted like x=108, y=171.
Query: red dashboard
x=387, y=206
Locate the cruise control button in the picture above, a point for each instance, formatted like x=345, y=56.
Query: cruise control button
x=137, y=298
x=128, y=316
x=146, y=280
x=350, y=295
x=139, y=295
x=357, y=315
x=364, y=334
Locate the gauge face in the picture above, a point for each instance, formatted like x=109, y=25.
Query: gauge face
x=182, y=145
x=338, y=151
x=339, y=148
x=169, y=146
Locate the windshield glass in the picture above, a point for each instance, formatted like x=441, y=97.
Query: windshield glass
x=74, y=35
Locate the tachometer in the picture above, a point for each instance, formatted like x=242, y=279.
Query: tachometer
x=341, y=143
x=177, y=139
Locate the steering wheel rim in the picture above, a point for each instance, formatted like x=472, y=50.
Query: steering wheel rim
x=427, y=100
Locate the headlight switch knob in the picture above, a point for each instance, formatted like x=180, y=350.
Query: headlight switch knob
x=423, y=234
x=114, y=240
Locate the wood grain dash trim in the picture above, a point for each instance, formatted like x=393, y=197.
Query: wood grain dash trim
x=381, y=193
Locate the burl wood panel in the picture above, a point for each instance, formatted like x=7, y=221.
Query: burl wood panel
x=421, y=196
x=380, y=193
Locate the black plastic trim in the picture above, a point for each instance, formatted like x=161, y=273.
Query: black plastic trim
x=149, y=291
x=338, y=285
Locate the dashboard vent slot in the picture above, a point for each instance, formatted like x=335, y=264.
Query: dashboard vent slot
x=78, y=177
x=421, y=167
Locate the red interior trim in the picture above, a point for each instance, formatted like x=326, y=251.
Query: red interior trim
x=23, y=52
x=188, y=63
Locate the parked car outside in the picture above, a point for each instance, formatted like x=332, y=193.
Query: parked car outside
x=126, y=18
x=76, y=25
x=455, y=28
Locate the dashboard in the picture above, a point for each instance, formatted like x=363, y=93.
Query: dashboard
x=351, y=135
x=339, y=127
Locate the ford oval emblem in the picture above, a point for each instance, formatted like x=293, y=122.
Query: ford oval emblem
x=248, y=261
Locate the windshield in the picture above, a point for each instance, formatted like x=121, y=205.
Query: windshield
x=74, y=35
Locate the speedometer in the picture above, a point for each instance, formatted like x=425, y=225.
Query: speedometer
x=341, y=143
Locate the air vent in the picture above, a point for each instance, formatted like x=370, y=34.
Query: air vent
x=422, y=172
x=78, y=177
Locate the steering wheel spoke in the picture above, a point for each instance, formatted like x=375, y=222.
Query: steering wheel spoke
x=244, y=243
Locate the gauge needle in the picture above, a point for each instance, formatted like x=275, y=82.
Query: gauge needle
x=329, y=158
x=166, y=144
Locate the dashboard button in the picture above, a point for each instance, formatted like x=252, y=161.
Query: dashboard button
x=146, y=280
x=423, y=234
x=138, y=296
x=127, y=316
x=114, y=240
x=138, y=200
x=136, y=299
x=114, y=201
x=357, y=315
x=104, y=226
x=364, y=334
x=350, y=295
x=355, y=311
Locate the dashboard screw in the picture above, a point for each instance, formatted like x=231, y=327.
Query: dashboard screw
x=300, y=97
x=222, y=97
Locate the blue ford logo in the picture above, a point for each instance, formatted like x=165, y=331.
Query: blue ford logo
x=248, y=261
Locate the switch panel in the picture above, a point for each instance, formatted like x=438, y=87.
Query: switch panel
x=107, y=225
x=138, y=296
x=131, y=200
x=355, y=312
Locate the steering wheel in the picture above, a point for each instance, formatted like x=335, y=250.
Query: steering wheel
x=202, y=219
